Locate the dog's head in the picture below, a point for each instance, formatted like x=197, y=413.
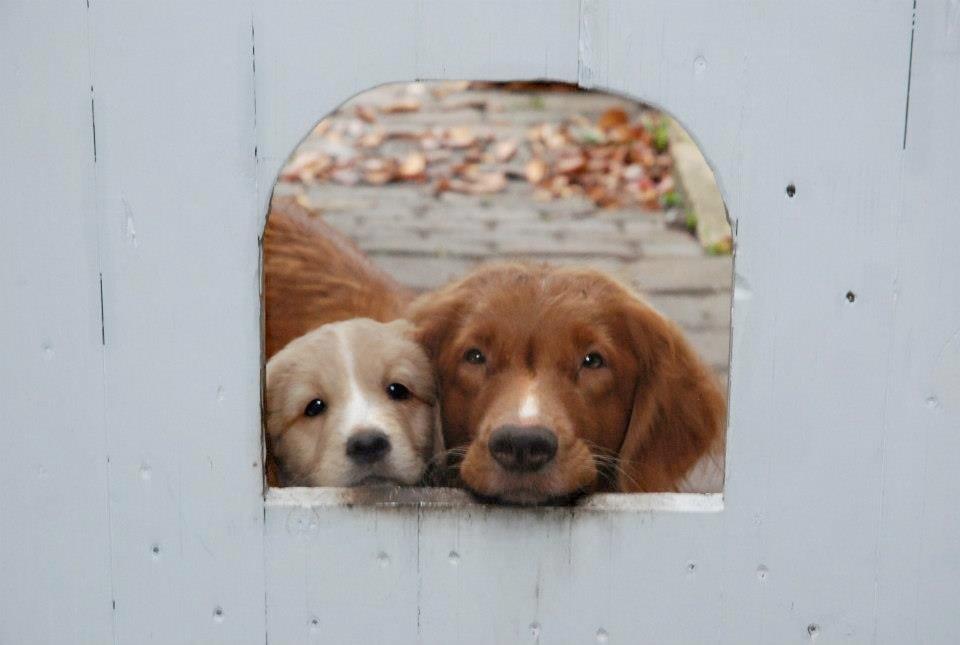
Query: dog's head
x=561, y=381
x=350, y=403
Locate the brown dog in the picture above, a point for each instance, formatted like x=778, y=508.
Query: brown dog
x=552, y=381
x=313, y=274
x=350, y=403
x=559, y=381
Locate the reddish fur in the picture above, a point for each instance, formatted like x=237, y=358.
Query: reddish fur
x=656, y=412
x=313, y=275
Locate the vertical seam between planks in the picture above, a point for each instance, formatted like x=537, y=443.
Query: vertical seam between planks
x=419, y=572
x=579, y=42
x=906, y=111
x=256, y=211
x=885, y=428
x=103, y=339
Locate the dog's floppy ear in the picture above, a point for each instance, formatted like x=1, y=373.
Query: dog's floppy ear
x=436, y=316
x=275, y=375
x=678, y=412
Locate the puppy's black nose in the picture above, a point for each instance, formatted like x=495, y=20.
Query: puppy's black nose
x=523, y=449
x=368, y=446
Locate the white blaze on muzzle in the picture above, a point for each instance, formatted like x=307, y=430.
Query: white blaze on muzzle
x=530, y=408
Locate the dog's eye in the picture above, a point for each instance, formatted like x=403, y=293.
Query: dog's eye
x=314, y=408
x=398, y=392
x=592, y=361
x=474, y=356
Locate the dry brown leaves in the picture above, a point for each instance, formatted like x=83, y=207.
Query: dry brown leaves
x=401, y=105
x=615, y=160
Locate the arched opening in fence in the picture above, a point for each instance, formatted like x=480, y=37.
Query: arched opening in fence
x=409, y=187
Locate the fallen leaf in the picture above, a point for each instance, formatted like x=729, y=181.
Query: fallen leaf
x=535, y=170
x=413, y=166
x=371, y=139
x=481, y=184
x=459, y=137
x=442, y=186
x=322, y=128
x=613, y=117
x=378, y=171
x=570, y=164
x=441, y=90
x=474, y=154
x=620, y=134
x=365, y=114
x=401, y=106
x=306, y=167
x=505, y=150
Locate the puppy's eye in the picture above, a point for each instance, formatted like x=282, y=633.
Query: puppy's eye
x=398, y=392
x=314, y=408
x=474, y=356
x=592, y=361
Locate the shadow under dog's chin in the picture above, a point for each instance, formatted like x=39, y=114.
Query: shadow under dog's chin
x=566, y=499
x=375, y=480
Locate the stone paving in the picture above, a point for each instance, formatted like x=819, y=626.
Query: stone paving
x=426, y=240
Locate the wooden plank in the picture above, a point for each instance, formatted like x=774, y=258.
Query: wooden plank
x=54, y=528
x=918, y=558
x=179, y=232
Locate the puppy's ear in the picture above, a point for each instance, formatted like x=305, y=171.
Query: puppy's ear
x=436, y=316
x=678, y=412
x=403, y=327
x=276, y=381
x=275, y=375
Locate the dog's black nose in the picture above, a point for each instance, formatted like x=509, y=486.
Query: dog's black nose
x=368, y=446
x=523, y=448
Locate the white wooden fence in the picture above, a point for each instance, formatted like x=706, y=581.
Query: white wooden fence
x=140, y=141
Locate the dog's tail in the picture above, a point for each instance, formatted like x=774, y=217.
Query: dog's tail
x=313, y=275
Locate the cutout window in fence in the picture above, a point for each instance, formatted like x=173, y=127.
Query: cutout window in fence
x=517, y=289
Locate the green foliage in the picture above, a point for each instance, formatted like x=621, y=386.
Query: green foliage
x=661, y=136
x=723, y=247
x=671, y=199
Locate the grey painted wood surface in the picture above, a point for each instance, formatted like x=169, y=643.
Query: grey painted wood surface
x=178, y=237
x=55, y=574
x=838, y=519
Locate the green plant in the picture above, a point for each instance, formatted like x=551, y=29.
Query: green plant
x=661, y=136
x=671, y=199
x=722, y=247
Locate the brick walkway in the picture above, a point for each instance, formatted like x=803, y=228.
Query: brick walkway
x=425, y=241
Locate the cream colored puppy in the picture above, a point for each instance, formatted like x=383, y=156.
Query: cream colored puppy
x=352, y=403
